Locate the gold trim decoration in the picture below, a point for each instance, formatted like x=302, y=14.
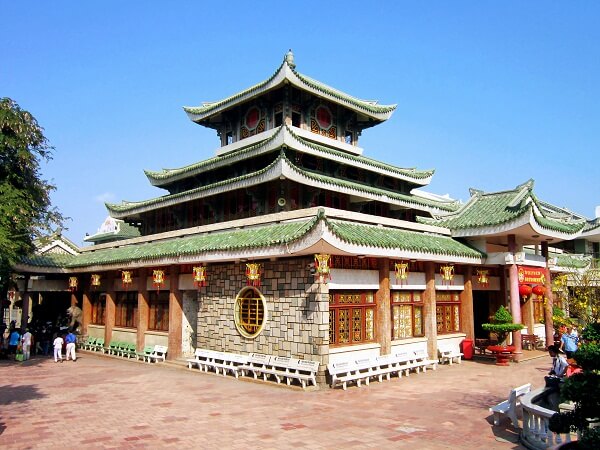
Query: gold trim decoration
x=401, y=271
x=199, y=275
x=126, y=278
x=95, y=280
x=73, y=284
x=158, y=278
x=447, y=273
x=323, y=267
x=253, y=273
x=483, y=277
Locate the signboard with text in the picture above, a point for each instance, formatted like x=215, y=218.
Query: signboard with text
x=532, y=275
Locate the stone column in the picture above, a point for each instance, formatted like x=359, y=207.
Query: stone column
x=383, y=330
x=515, y=301
x=429, y=314
x=549, y=303
x=143, y=309
x=110, y=310
x=86, y=310
x=26, y=304
x=467, y=321
x=175, y=314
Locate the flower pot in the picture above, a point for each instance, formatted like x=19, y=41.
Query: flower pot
x=503, y=353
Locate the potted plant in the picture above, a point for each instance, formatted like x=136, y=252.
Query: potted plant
x=583, y=389
x=501, y=325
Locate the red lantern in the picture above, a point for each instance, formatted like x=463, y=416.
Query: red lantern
x=539, y=290
x=524, y=290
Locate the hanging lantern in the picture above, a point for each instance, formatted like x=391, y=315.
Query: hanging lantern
x=158, y=278
x=447, y=273
x=95, y=280
x=73, y=284
x=323, y=267
x=199, y=275
x=483, y=278
x=539, y=290
x=524, y=291
x=126, y=278
x=401, y=271
x=253, y=274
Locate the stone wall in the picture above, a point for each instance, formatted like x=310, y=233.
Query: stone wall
x=297, y=311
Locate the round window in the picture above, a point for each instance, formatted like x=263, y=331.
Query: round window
x=323, y=117
x=252, y=117
x=250, y=312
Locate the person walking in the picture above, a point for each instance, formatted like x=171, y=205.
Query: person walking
x=70, y=340
x=13, y=341
x=26, y=344
x=569, y=342
x=58, y=343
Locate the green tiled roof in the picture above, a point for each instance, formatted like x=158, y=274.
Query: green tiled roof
x=368, y=107
x=491, y=209
x=119, y=209
x=573, y=261
x=260, y=236
x=125, y=231
x=392, y=238
x=165, y=176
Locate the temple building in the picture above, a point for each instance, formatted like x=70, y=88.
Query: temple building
x=289, y=241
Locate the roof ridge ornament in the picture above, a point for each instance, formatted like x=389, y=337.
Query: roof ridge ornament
x=289, y=59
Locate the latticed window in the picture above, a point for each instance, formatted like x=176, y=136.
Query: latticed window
x=447, y=312
x=407, y=314
x=250, y=312
x=98, y=302
x=351, y=317
x=158, y=314
x=126, y=309
x=538, y=310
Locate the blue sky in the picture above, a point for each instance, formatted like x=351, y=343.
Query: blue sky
x=490, y=94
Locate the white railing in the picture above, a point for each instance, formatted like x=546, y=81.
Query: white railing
x=535, y=433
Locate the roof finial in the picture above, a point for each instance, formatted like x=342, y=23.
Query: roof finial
x=289, y=59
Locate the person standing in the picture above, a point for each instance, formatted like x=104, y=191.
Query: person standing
x=70, y=340
x=13, y=341
x=569, y=342
x=26, y=344
x=58, y=343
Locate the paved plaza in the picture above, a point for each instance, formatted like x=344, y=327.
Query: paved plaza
x=105, y=402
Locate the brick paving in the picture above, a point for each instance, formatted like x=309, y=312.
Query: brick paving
x=102, y=402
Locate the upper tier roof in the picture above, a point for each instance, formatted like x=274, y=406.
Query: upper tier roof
x=500, y=212
x=289, y=137
x=286, y=73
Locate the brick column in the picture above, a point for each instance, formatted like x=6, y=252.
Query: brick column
x=549, y=304
x=110, y=310
x=467, y=322
x=429, y=315
x=175, y=314
x=383, y=330
x=86, y=309
x=515, y=301
x=143, y=310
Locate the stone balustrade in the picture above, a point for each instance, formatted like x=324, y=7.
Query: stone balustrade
x=535, y=433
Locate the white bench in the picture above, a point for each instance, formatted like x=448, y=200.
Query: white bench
x=256, y=363
x=449, y=352
x=221, y=362
x=422, y=361
x=281, y=368
x=344, y=372
x=512, y=406
x=158, y=354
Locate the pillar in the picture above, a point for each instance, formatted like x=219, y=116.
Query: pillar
x=549, y=303
x=383, y=331
x=143, y=310
x=110, y=310
x=26, y=304
x=74, y=301
x=429, y=314
x=175, y=314
x=515, y=301
x=467, y=321
x=86, y=310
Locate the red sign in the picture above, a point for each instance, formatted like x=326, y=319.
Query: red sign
x=529, y=275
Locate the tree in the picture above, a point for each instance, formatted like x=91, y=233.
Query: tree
x=26, y=212
x=580, y=293
x=502, y=325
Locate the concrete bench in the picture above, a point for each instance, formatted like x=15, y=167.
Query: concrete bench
x=256, y=364
x=159, y=353
x=344, y=372
x=422, y=361
x=282, y=368
x=510, y=407
x=449, y=352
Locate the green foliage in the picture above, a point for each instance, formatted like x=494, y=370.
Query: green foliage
x=584, y=390
x=580, y=290
x=502, y=324
x=25, y=210
x=591, y=333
